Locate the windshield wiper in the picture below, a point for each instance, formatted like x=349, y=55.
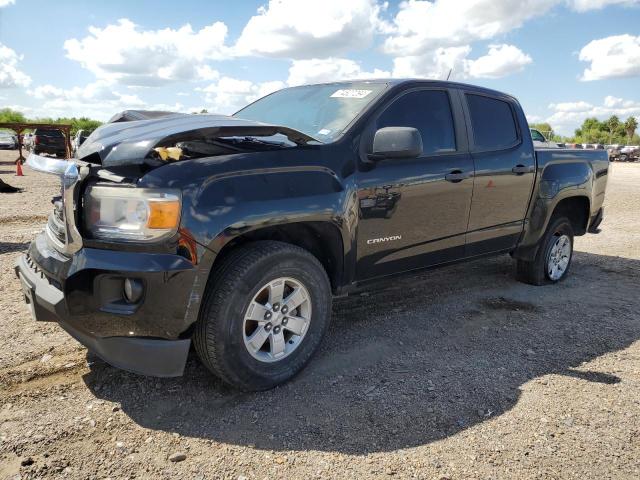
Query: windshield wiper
x=253, y=141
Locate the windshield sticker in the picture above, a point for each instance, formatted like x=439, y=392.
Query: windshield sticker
x=324, y=131
x=350, y=93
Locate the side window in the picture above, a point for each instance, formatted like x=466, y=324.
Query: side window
x=429, y=111
x=494, y=127
x=536, y=136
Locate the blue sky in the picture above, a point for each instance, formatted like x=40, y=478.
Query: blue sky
x=564, y=59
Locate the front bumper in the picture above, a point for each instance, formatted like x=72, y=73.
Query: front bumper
x=81, y=293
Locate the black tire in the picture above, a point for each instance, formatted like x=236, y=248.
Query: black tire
x=219, y=338
x=535, y=272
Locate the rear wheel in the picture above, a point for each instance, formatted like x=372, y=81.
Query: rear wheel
x=553, y=258
x=266, y=310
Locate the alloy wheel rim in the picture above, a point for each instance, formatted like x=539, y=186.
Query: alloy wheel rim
x=277, y=319
x=559, y=256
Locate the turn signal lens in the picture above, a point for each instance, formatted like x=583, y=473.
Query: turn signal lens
x=164, y=215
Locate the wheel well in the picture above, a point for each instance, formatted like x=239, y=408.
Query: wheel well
x=576, y=209
x=321, y=239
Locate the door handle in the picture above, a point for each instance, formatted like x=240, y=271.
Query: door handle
x=522, y=169
x=456, y=176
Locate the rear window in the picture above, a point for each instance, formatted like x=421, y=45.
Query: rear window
x=48, y=133
x=494, y=127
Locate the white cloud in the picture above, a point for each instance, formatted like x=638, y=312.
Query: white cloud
x=568, y=116
x=228, y=95
x=611, y=57
x=307, y=28
x=501, y=60
x=96, y=100
x=126, y=54
x=616, y=102
x=422, y=26
x=318, y=70
x=571, y=106
x=434, y=64
x=432, y=37
x=4, y=3
x=10, y=75
x=584, y=5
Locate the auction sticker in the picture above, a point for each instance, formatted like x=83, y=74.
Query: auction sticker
x=350, y=93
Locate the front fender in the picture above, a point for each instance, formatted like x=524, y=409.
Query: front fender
x=227, y=206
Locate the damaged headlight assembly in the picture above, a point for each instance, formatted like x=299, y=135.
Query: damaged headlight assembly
x=128, y=214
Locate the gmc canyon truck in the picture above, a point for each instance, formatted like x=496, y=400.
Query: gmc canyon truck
x=232, y=233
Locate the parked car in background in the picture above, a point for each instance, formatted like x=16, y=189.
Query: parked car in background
x=630, y=153
x=574, y=145
x=78, y=140
x=27, y=141
x=540, y=141
x=235, y=232
x=49, y=140
x=8, y=141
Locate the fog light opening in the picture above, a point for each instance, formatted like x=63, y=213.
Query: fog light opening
x=132, y=290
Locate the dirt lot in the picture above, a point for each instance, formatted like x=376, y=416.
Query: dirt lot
x=456, y=373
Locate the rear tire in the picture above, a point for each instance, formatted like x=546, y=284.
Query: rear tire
x=240, y=287
x=553, y=258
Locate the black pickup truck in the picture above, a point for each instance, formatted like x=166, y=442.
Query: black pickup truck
x=49, y=140
x=233, y=233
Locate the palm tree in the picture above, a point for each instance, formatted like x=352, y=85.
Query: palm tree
x=612, y=125
x=630, y=127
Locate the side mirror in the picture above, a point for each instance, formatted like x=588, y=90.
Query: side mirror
x=396, y=142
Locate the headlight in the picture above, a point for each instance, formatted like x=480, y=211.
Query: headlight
x=131, y=214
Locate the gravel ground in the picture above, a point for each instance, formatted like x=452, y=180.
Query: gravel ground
x=456, y=373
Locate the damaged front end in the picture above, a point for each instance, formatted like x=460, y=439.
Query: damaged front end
x=174, y=137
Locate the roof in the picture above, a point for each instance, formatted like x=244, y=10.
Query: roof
x=422, y=81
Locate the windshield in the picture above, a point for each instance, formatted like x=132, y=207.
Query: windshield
x=321, y=111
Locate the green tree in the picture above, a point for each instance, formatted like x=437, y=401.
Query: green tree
x=8, y=115
x=544, y=128
x=612, y=125
x=630, y=127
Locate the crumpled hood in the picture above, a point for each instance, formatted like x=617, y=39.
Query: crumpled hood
x=128, y=143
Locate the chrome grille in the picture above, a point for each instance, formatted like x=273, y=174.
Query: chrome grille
x=61, y=226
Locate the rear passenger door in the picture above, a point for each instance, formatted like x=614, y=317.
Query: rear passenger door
x=504, y=172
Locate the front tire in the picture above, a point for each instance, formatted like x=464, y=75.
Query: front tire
x=553, y=258
x=266, y=309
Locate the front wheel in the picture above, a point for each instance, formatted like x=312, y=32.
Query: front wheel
x=552, y=261
x=266, y=310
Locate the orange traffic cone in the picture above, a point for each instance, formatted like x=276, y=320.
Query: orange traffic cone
x=19, y=170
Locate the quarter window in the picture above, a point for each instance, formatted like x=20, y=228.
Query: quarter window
x=494, y=127
x=428, y=111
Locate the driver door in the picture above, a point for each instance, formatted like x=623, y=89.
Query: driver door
x=414, y=211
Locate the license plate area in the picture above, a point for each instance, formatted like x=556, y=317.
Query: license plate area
x=28, y=292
